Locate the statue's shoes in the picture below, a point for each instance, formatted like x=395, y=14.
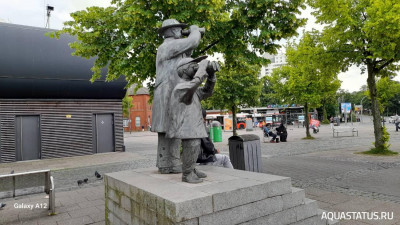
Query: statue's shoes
x=168, y=170
x=191, y=178
x=200, y=174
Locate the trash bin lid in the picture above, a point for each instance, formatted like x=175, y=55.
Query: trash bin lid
x=215, y=124
x=245, y=137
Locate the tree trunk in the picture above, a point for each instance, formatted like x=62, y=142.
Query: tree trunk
x=378, y=131
x=234, y=121
x=307, y=121
x=324, y=115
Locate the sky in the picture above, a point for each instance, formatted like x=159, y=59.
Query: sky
x=33, y=13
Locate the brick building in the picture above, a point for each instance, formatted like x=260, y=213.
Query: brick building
x=140, y=113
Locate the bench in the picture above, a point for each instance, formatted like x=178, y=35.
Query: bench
x=48, y=183
x=337, y=130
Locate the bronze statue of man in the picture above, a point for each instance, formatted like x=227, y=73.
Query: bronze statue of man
x=185, y=111
x=169, y=53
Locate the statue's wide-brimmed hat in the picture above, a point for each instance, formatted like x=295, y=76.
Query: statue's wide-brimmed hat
x=188, y=60
x=171, y=23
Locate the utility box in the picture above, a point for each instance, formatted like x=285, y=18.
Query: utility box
x=249, y=125
x=245, y=152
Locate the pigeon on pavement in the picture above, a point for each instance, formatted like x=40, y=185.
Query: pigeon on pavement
x=80, y=182
x=98, y=175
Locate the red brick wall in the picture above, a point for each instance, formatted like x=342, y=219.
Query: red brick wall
x=141, y=109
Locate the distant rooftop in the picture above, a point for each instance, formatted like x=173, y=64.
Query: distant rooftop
x=140, y=91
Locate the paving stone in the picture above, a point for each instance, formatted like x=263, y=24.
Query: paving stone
x=41, y=222
x=84, y=212
x=334, y=198
x=309, y=209
x=54, y=218
x=352, y=222
x=32, y=214
x=98, y=217
x=126, y=203
x=185, y=204
x=63, y=209
x=91, y=203
x=243, y=213
x=293, y=199
x=113, y=195
x=315, y=220
x=357, y=204
x=315, y=191
x=23, y=223
x=76, y=221
x=280, y=218
x=123, y=215
x=101, y=207
x=8, y=216
x=279, y=185
x=99, y=223
x=235, y=192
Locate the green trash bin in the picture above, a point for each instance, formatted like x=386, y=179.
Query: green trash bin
x=216, y=131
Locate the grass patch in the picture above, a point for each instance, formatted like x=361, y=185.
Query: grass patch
x=379, y=152
x=308, y=138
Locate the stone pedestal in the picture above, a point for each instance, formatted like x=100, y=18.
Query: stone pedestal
x=226, y=196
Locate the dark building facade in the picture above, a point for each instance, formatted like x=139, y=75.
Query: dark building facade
x=48, y=106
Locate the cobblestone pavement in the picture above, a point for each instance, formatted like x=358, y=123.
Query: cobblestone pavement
x=326, y=167
x=78, y=207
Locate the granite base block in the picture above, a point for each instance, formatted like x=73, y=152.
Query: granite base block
x=143, y=196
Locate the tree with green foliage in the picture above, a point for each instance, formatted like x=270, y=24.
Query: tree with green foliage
x=309, y=73
x=124, y=36
x=126, y=106
x=268, y=94
x=243, y=90
x=387, y=90
x=367, y=33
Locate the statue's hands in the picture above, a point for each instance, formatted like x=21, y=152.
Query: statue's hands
x=213, y=67
x=202, y=71
x=193, y=28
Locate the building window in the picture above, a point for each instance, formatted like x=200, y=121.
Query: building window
x=126, y=122
x=137, y=121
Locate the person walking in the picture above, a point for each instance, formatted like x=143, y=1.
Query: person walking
x=397, y=122
x=331, y=122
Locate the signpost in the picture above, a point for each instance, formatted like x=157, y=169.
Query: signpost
x=345, y=108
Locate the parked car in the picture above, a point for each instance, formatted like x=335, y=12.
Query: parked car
x=391, y=119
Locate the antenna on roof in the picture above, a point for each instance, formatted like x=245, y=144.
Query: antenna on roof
x=49, y=9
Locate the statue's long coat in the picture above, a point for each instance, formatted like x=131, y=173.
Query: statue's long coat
x=168, y=55
x=185, y=109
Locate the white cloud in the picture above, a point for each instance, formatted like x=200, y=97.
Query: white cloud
x=33, y=12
